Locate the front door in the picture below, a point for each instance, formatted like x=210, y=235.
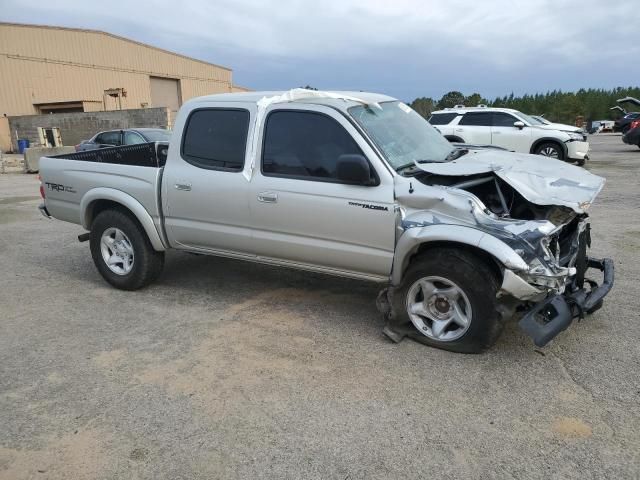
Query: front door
x=205, y=195
x=301, y=213
x=505, y=135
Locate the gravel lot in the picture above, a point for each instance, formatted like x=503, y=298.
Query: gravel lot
x=225, y=369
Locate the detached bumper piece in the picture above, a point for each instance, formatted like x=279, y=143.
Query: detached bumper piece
x=554, y=314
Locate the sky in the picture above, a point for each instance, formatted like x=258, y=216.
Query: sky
x=403, y=48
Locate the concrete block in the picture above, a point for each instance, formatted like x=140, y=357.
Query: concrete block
x=32, y=156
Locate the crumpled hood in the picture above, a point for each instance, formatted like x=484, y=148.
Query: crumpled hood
x=541, y=180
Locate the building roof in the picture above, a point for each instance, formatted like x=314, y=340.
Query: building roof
x=86, y=30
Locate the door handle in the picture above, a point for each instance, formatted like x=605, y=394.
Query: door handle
x=268, y=197
x=185, y=187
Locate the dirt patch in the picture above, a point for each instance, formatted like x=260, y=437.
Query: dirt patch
x=109, y=359
x=10, y=215
x=245, y=340
x=78, y=455
x=569, y=427
x=11, y=200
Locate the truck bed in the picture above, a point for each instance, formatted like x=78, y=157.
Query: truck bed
x=152, y=154
x=72, y=181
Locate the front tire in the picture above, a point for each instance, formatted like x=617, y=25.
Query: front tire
x=449, y=295
x=550, y=149
x=122, y=251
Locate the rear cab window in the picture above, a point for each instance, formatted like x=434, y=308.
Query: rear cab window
x=216, y=138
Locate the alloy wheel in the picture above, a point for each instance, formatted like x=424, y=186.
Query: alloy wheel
x=439, y=308
x=117, y=251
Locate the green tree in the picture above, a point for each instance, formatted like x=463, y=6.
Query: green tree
x=556, y=105
x=474, y=100
x=450, y=99
x=423, y=105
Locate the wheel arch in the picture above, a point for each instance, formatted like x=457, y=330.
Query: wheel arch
x=560, y=143
x=100, y=199
x=415, y=241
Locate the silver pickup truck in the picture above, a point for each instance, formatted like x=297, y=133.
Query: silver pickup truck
x=355, y=184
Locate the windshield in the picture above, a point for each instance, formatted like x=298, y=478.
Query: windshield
x=157, y=135
x=401, y=134
x=538, y=120
x=528, y=119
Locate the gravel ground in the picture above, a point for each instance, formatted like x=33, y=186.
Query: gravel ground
x=224, y=369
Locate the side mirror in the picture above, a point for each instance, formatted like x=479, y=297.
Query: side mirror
x=518, y=124
x=354, y=169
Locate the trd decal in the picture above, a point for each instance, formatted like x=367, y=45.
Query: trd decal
x=369, y=206
x=58, y=187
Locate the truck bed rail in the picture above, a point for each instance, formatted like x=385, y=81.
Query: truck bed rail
x=152, y=154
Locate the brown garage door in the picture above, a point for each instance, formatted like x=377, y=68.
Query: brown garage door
x=165, y=92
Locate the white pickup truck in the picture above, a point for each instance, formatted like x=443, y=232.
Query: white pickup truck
x=352, y=184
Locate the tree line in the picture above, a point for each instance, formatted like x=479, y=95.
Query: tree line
x=556, y=106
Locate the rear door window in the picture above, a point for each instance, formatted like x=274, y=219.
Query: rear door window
x=216, y=138
x=480, y=119
x=442, y=118
x=133, y=138
x=109, y=138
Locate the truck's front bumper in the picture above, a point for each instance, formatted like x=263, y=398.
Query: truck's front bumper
x=554, y=314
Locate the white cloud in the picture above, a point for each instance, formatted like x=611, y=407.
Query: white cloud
x=504, y=32
x=503, y=45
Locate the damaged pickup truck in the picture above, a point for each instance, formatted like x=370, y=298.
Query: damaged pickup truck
x=462, y=238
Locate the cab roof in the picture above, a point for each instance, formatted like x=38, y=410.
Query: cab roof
x=254, y=97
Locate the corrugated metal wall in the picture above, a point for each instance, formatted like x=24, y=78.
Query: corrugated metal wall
x=41, y=65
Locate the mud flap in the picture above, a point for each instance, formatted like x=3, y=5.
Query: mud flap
x=394, y=329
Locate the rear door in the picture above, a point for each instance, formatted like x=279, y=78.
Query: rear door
x=444, y=122
x=505, y=135
x=205, y=195
x=302, y=213
x=475, y=128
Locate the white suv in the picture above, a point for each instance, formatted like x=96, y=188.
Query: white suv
x=510, y=129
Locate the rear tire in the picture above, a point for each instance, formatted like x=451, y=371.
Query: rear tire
x=465, y=286
x=550, y=149
x=580, y=162
x=122, y=251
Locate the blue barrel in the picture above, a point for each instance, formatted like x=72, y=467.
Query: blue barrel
x=23, y=144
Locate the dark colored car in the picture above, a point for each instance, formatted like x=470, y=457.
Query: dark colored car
x=624, y=123
x=632, y=137
x=131, y=136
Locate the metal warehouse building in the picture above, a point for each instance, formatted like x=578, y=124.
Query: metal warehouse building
x=47, y=69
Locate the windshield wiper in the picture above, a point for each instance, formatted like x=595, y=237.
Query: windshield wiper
x=456, y=153
x=407, y=166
